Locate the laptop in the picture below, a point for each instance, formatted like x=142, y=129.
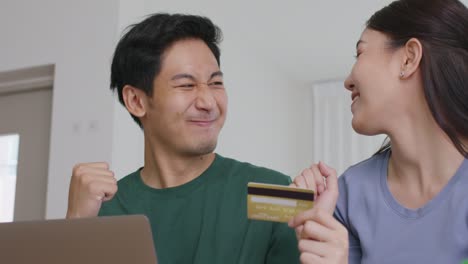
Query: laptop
x=100, y=240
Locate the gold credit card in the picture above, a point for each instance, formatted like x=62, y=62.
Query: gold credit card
x=277, y=203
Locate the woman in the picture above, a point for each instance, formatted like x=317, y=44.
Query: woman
x=409, y=202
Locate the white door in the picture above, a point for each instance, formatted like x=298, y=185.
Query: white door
x=27, y=114
x=334, y=140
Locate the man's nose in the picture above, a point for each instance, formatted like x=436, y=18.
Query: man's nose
x=205, y=99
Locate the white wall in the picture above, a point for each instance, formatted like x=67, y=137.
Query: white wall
x=78, y=37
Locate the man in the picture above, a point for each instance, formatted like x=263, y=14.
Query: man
x=166, y=71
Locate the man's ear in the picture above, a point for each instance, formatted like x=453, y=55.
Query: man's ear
x=135, y=100
x=412, y=55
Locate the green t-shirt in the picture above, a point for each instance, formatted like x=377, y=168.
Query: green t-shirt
x=205, y=220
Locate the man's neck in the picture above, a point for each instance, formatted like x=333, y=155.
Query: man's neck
x=165, y=169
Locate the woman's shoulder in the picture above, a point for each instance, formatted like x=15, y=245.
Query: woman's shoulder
x=369, y=169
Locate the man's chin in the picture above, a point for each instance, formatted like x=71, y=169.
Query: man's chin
x=203, y=149
x=207, y=148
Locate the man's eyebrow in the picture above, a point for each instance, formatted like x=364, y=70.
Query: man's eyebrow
x=191, y=77
x=216, y=74
x=359, y=42
x=182, y=76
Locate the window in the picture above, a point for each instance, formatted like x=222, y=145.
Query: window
x=8, y=163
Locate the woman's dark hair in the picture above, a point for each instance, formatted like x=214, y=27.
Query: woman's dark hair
x=138, y=55
x=442, y=28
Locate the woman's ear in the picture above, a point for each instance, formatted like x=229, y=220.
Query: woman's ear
x=412, y=58
x=134, y=100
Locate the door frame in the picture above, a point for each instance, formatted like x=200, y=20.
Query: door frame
x=26, y=80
